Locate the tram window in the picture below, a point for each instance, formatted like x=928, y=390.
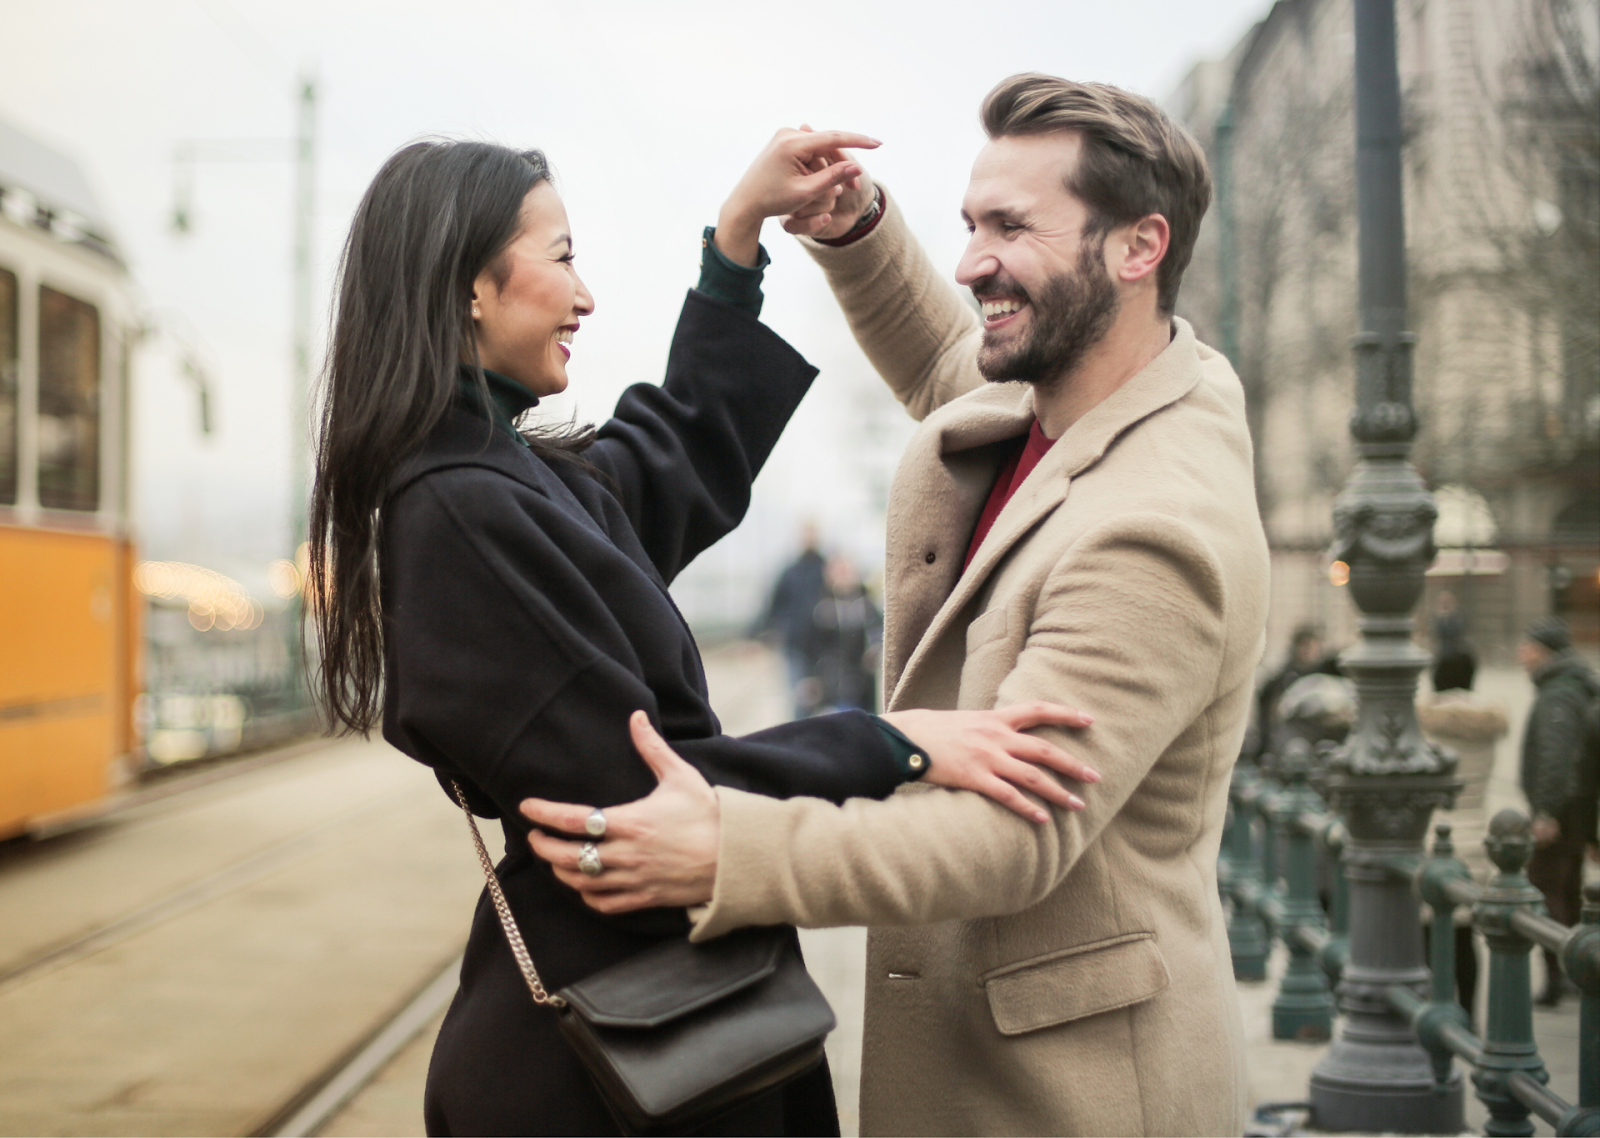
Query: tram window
x=8, y=388
x=69, y=402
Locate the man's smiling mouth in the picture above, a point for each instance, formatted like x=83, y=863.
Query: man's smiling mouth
x=1000, y=310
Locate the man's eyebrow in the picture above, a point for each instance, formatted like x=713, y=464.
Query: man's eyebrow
x=997, y=213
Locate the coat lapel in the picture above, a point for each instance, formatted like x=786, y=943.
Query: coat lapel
x=970, y=421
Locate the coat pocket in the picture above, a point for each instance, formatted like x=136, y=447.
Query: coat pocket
x=990, y=626
x=1076, y=982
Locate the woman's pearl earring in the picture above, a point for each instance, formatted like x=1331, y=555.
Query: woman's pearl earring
x=476, y=314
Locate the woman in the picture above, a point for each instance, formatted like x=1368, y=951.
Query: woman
x=506, y=592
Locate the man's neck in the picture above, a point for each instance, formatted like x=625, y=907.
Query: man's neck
x=1126, y=350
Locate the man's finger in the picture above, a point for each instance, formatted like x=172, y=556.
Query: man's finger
x=653, y=749
x=613, y=903
x=806, y=226
x=825, y=180
x=563, y=816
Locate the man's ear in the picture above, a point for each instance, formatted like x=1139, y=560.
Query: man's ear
x=1144, y=247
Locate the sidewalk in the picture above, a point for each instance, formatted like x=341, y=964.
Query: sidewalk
x=747, y=687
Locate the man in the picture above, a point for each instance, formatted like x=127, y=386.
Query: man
x=794, y=596
x=1556, y=752
x=1082, y=528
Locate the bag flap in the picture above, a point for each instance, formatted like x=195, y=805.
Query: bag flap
x=673, y=979
x=1079, y=982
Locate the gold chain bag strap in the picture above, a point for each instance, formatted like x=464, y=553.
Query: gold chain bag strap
x=507, y=922
x=681, y=1033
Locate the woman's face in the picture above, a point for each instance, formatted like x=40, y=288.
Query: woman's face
x=526, y=320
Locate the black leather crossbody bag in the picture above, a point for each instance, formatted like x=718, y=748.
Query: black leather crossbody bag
x=681, y=1033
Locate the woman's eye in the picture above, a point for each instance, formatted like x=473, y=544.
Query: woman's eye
x=568, y=258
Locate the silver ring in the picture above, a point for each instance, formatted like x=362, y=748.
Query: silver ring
x=589, y=860
x=595, y=824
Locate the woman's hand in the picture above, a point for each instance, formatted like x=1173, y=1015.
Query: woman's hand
x=798, y=170
x=986, y=751
x=658, y=851
x=833, y=214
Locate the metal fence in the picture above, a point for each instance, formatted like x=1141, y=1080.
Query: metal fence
x=1281, y=839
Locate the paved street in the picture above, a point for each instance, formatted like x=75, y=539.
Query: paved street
x=193, y=965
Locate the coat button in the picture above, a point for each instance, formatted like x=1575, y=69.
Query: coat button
x=930, y=557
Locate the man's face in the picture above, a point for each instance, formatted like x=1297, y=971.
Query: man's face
x=1531, y=655
x=1046, y=292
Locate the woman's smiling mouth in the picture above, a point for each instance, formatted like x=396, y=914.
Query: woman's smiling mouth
x=564, y=337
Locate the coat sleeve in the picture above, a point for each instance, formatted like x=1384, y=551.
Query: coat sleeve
x=681, y=457
x=913, y=325
x=929, y=855
x=509, y=667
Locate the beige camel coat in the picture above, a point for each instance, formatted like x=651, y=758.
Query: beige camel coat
x=1074, y=977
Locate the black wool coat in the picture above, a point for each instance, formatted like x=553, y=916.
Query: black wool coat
x=527, y=615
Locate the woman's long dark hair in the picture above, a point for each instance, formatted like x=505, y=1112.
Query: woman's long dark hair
x=437, y=215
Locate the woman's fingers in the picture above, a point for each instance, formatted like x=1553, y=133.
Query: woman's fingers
x=1036, y=781
x=810, y=142
x=1047, y=754
x=1040, y=713
x=1012, y=799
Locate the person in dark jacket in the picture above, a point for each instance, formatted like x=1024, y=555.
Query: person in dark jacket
x=788, y=617
x=842, y=636
x=1555, y=746
x=498, y=596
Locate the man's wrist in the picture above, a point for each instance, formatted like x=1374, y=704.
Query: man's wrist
x=865, y=222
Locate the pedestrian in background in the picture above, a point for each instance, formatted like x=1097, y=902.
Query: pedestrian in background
x=788, y=617
x=1454, y=662
x=1456, y=717
x=842, y=641
x=1306, y=658
x=1557, y=754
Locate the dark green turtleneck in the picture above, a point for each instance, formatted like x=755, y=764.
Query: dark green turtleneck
x=507, y=399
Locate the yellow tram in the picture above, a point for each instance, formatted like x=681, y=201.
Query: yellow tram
x=70, y=637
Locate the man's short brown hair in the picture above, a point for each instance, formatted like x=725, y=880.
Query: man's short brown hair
x=1135, y=160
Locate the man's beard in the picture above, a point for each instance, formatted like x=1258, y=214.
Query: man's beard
x=1071, y=313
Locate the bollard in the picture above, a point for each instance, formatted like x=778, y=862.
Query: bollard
x=1508, y=1045
x=1581, y=967
x=1433, y=886
x=1303, y=1008
x=1247, y=934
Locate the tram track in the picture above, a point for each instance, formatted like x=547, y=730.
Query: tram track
x=244, y=959
x=285, y=853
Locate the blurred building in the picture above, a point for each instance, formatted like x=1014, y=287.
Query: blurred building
x=1502, y=114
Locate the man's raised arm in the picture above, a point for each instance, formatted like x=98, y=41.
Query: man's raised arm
x=913, y=324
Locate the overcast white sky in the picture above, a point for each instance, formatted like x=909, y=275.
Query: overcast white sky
x=648, y=110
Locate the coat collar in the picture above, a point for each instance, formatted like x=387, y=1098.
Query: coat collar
x=467, y=438
x=1002, y=411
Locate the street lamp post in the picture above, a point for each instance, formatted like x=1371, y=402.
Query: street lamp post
x=1386, y=780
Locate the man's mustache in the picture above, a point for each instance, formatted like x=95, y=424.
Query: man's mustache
x=996, y=286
